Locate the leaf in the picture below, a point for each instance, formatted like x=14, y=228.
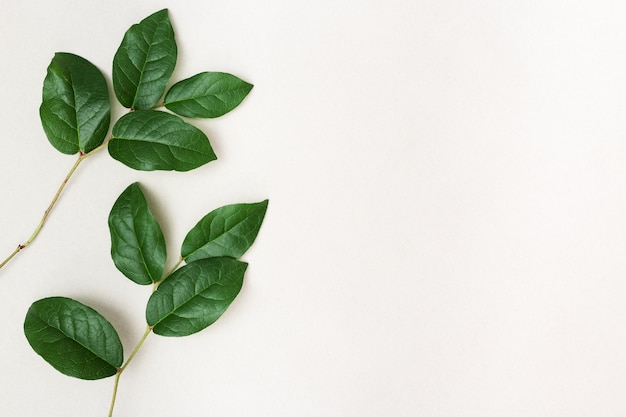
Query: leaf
x=75, y=111
x=154, y=140
x=226, y=231
x=194, y=296
x=137, y=244
x=208, y=94
x=144, y=62
x=73, y=338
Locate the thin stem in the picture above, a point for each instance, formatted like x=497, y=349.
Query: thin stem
x=170, y=272
x=134, y=352
x=120, y=370
x=140, y=343
x=6, y=261
x=115, y=384
x=53, y=202
x=102, y=145
x=174, y=268
x=81, y=157
x=46, y=213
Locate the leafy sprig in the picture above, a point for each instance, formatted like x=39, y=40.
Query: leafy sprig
x=79, y=342
x=76, y=111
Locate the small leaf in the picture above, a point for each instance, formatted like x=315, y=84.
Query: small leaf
x=154, y=140
x=194, y=296
x=75, y=111
x=144, y=62
x=226, y=231
x=73, y=338
x=208, y=94
x=137, y=243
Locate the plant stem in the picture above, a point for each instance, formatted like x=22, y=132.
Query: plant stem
x=139, y=344
x=46, y=213
x=134, y=352
x=6, y=261
x=170, y=272
x=120, y=370
x=117, y=381
x=175, y=267
x=81, y=157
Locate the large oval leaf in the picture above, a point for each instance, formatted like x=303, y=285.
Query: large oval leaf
x=226, y=231
x=73, y=338
x=208, y=94
x=154, y=140
x=137, y=243
x=75, y=111
x=144, y=62
x=194, y=296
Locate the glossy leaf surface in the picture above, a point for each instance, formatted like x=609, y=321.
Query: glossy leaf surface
x=194, y=296
x=73, y=338
x=144, y=62
x=154, y=140
x=208, y=94
x=75, y=111
x=137, y=243
x=226, y=231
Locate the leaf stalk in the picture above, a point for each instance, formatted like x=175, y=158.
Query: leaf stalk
x=170, y=272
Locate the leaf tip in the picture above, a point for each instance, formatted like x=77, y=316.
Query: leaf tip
x=163, y=13
x=264, y=204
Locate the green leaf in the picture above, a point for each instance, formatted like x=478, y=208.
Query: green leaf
x=144, y=62
x=208, y=94
x=154, y=140
x=137, y=243
x=226, y=231
x=194, y=296
x=75, y=111
x=73, y=338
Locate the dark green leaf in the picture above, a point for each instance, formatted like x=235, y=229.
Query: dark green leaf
x=226, y=231
x=75, y=111
x=73, y=338
x=144, y=62
x=154, y=140
x=194, y=296
x=137, y=243
x=208, y=94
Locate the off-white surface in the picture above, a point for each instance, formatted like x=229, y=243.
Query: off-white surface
x=446, y=233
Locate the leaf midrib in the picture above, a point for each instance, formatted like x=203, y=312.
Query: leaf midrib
x=208, y=95
x=220, y=283
x=157, y=143
x=121, y=238
x=145, y=63
x=169, y=314
x=214, y=240
x=74, y=340
x=140, y=244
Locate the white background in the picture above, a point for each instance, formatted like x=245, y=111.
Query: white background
x=446, y=229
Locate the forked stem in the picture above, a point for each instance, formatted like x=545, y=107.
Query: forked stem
x=140, y=343
x=120, y=370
